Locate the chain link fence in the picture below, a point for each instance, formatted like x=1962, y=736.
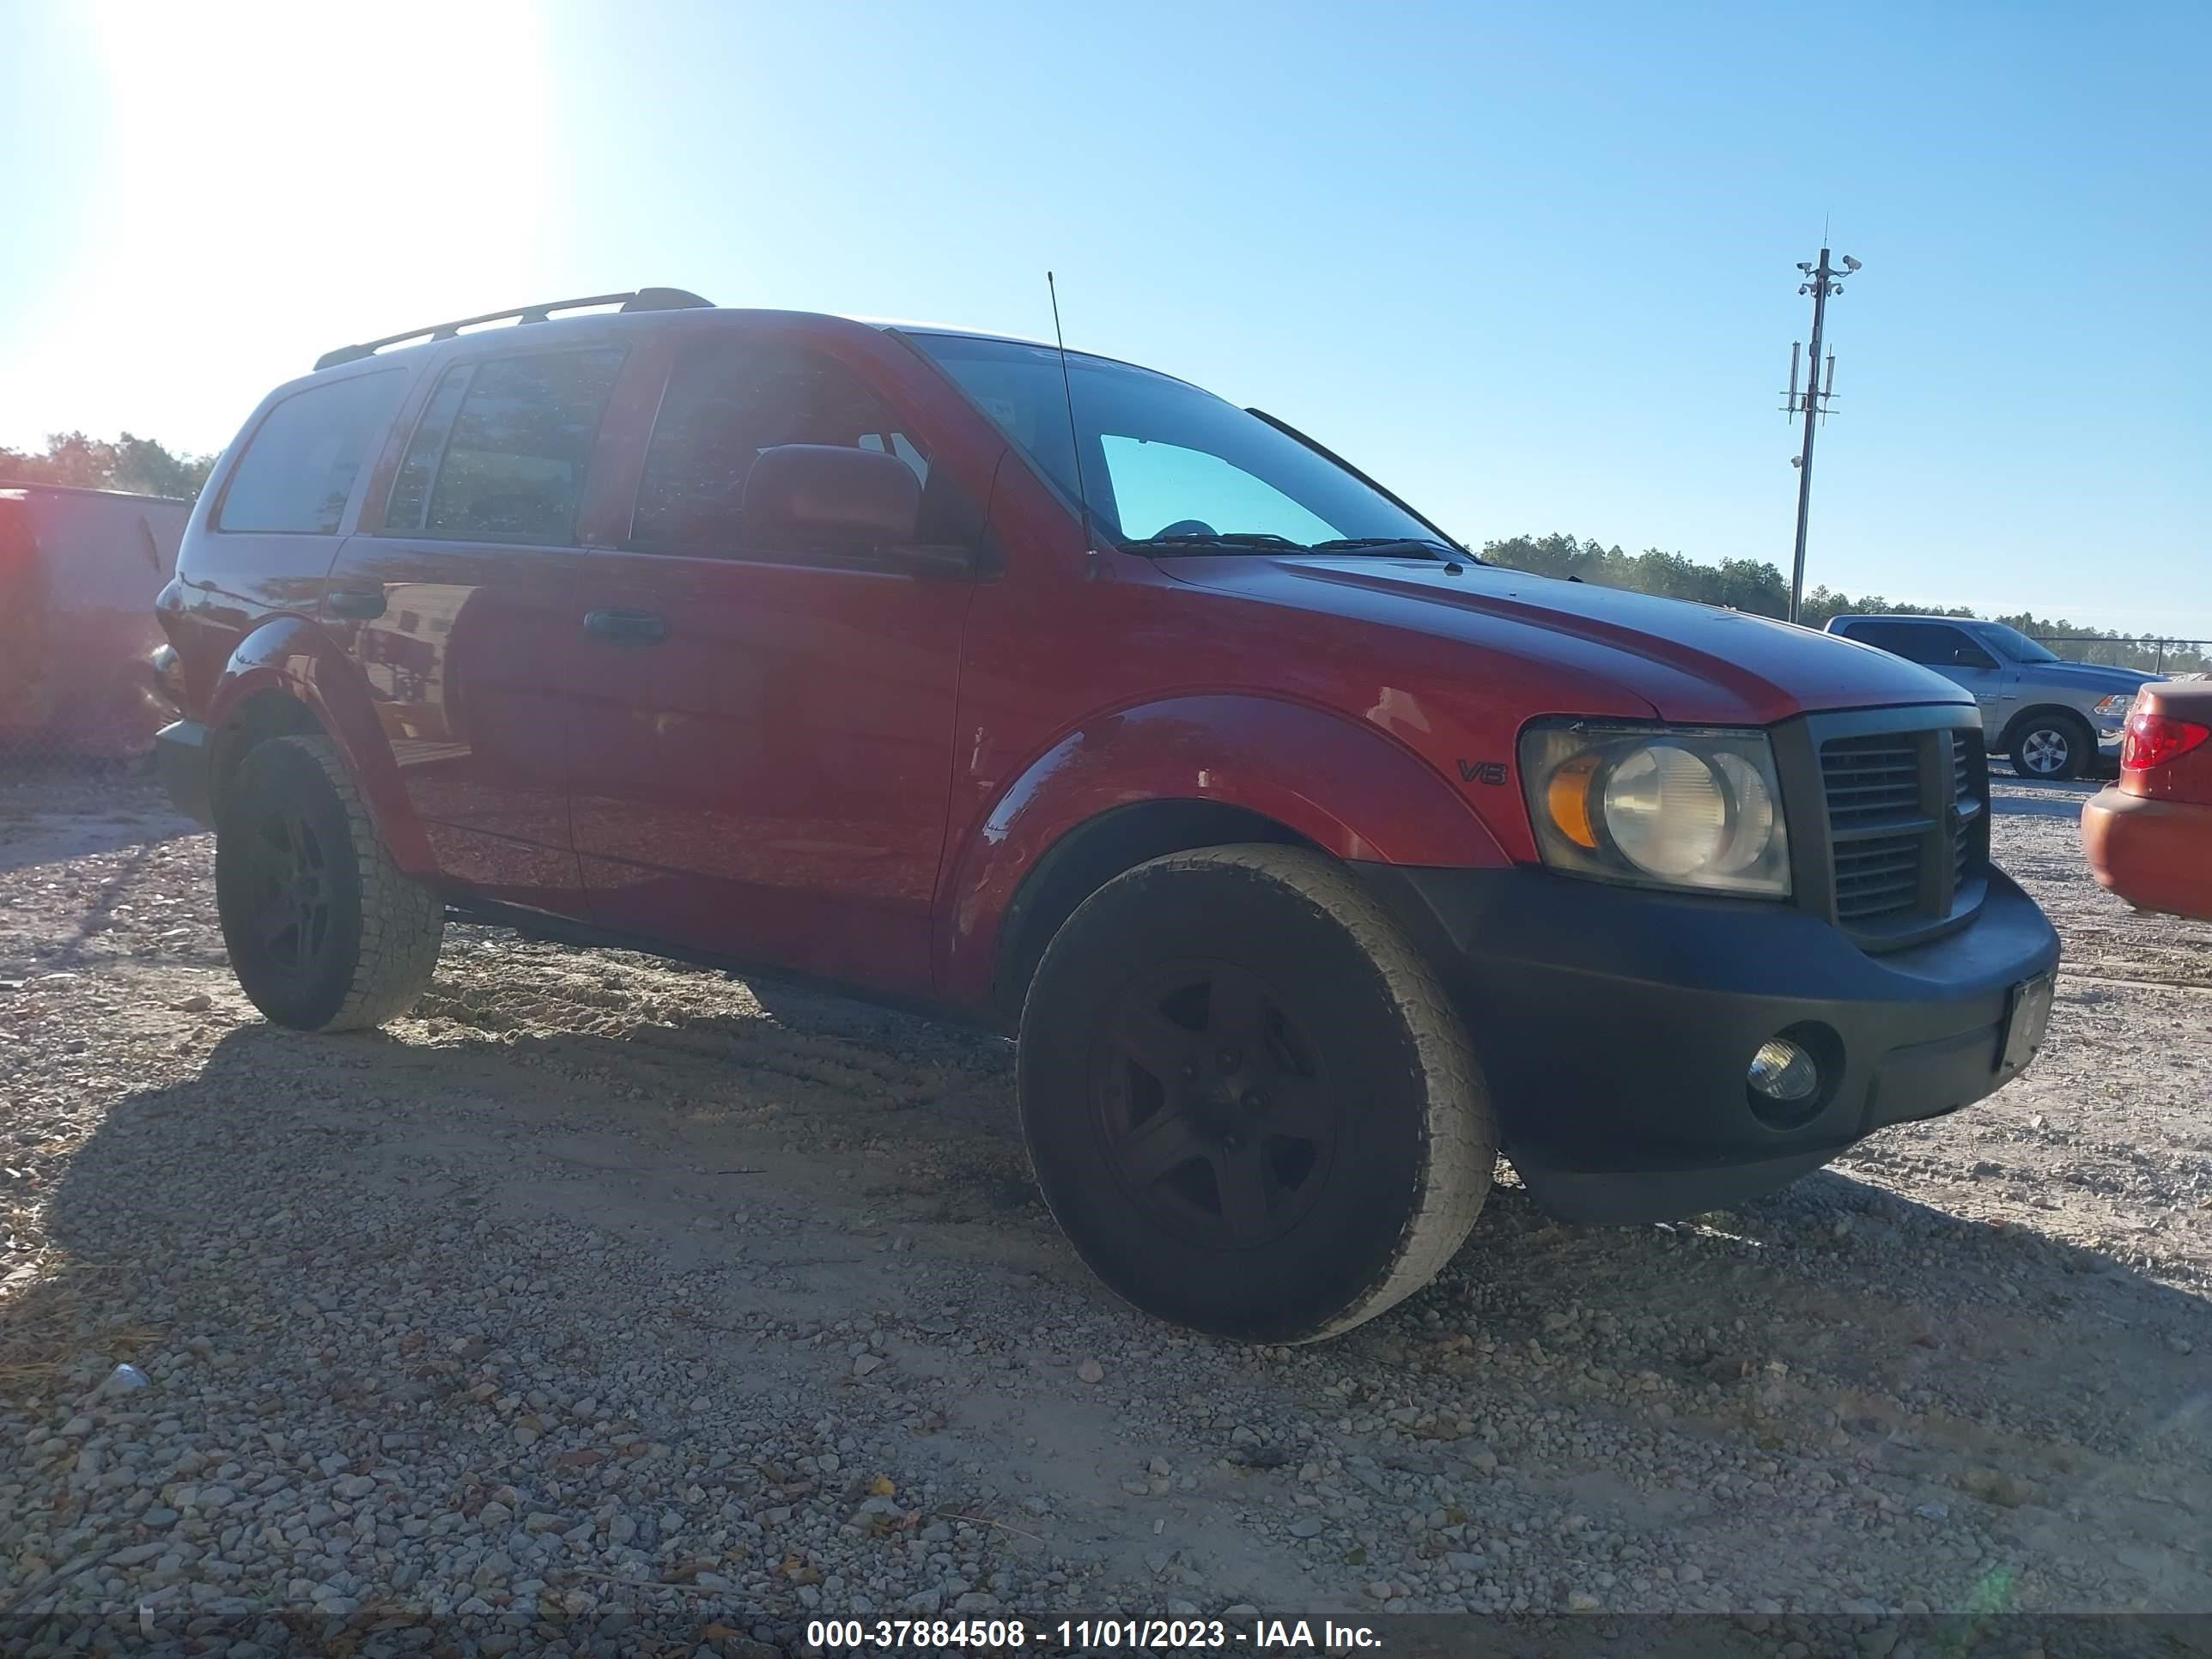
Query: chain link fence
x=80, y=569
x=79, y=573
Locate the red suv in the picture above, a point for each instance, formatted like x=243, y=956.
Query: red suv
x=1313, y=859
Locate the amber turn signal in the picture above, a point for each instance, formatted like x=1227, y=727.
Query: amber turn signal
x=1567, y=797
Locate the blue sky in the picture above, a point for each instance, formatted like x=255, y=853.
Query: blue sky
x=1533, y=266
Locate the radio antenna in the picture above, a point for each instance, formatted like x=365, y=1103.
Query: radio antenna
x=1075, y=437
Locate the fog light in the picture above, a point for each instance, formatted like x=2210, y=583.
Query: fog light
x=1782, y=1070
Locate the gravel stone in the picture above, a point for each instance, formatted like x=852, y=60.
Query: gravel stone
x=438, y=1352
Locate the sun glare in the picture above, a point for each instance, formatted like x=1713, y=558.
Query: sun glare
x=292, y=177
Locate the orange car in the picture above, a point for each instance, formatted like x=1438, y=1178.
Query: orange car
x=79, y=569
x=2149, y=836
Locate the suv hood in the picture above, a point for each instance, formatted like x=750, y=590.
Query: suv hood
x=1690, y=662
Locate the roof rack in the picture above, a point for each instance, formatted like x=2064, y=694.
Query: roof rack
x=644, y=299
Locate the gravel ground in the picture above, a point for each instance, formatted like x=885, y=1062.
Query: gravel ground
x=611, y=1305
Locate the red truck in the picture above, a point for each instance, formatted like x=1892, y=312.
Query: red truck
x=1313, y=860
x=78, y=570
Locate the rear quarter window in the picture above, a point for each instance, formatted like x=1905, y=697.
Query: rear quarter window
x=302, y=462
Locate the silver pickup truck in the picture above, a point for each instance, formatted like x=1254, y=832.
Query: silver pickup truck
x=2055, y=718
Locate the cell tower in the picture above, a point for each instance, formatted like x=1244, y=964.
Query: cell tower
x=1821, y=281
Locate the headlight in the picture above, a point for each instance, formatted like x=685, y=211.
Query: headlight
x=2116, y=706
x=1659, y=807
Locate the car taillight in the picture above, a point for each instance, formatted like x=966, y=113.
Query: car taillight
x=2153, y=740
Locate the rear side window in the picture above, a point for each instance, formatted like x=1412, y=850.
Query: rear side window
x=1937, y=644
x=411, y=490
x=726, y=403
x=1914, y=641
x=503, y=447
x=301, y=465
x=1887, y=636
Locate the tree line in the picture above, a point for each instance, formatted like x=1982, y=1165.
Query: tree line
x=1755, y=585
x=146, y=467
x=142, y=467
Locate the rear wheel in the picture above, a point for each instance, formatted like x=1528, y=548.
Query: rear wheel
x=1249, y=1105
x=325, y=933
x=2053, y=748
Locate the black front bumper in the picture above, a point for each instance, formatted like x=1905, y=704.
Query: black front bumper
x=1615, y=1028
x=180, y=759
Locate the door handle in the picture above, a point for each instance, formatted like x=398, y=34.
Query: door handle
x=628, y=627
x=356, y=604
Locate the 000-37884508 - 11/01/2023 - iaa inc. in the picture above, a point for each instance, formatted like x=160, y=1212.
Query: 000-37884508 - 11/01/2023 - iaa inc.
x=1090, y=1635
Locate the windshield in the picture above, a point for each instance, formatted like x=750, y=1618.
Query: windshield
x=1167, y=464
x=2011, y=642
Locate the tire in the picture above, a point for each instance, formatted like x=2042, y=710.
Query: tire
x=293, y=837
x=1248, y=1102
x=2053, y=748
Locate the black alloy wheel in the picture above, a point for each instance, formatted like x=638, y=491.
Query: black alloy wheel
x=292, y=881
x=1213, y=1113
x=1250, y=1104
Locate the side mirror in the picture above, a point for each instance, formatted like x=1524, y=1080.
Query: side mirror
x=828, y=495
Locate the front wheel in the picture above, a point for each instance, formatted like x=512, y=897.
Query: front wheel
x=2053, y=748
x=1249, y=1104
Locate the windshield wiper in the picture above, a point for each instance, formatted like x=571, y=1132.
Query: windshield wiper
x=1390, y=546
x=1259, y=540
x=1213, y=540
